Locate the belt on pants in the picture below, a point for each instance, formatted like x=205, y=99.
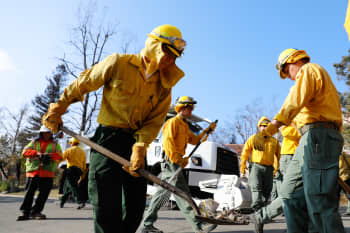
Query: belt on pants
x=125, y=130
x=261, y=164
x=321, y=124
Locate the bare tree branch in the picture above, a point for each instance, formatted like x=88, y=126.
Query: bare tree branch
x=89, y=41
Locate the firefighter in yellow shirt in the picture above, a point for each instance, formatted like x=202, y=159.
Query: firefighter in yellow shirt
x=176, y=135
x=136, y=98
x=76, y=166
x=315, y=101
x=263, y=165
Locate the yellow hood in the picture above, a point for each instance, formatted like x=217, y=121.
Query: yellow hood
x=151, y=55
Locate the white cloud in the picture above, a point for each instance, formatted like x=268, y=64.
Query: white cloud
x=5, y=61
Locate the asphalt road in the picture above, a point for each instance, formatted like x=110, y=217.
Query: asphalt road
x=71, y=220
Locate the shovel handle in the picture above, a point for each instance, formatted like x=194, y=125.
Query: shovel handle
x=141, y=171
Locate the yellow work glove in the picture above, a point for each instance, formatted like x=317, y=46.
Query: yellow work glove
x=207, y=131
x=271, y=129
x=52, y=119
x=137, y=159
x=210, y=128
x=184, y=162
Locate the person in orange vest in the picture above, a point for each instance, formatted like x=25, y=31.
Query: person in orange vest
x=42, y=157
x=76, y=165
x=264, y=164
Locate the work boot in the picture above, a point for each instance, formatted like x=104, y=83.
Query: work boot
x=38, y=216
x=62, y=201
x=80, y=206
x=258, y=227
x=151, y=229
x=23, y=217
x=207, y=227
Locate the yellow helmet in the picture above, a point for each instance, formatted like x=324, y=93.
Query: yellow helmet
x=73, y=141
x=289, y=56
x=263, y=121
x=184, y=101
x=171, y=36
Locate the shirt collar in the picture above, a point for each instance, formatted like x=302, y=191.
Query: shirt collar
x=182, y=120
x=136, y=60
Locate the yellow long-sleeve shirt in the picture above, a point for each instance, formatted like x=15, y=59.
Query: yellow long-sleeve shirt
x=313, y=97
x=270, y=156
x=75, y=156
x=290, y=141
x=129, y=99
x=176, y=135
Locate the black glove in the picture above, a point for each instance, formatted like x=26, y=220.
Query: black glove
x=44, y=158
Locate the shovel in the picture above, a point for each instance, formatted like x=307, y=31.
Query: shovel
x=152, y=178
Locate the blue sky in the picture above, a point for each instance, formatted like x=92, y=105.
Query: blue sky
x=229, y=61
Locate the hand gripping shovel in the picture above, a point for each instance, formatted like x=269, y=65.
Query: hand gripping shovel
x=152, y=178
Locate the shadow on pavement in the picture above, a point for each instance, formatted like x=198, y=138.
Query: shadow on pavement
x=11, y=199
x=54, y=219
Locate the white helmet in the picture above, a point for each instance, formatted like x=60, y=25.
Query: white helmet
x=44, y=129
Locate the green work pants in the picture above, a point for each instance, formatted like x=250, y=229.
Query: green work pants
x=310, y=185
x=275, y=187
x=151, y=215
x=71, y=185
x=289, y=206
x=260, y=183
x=277, y=179
x=284, y=162
x=275, y=208
x=118, y=198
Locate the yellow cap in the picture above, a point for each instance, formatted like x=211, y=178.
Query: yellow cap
x=73, y=141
